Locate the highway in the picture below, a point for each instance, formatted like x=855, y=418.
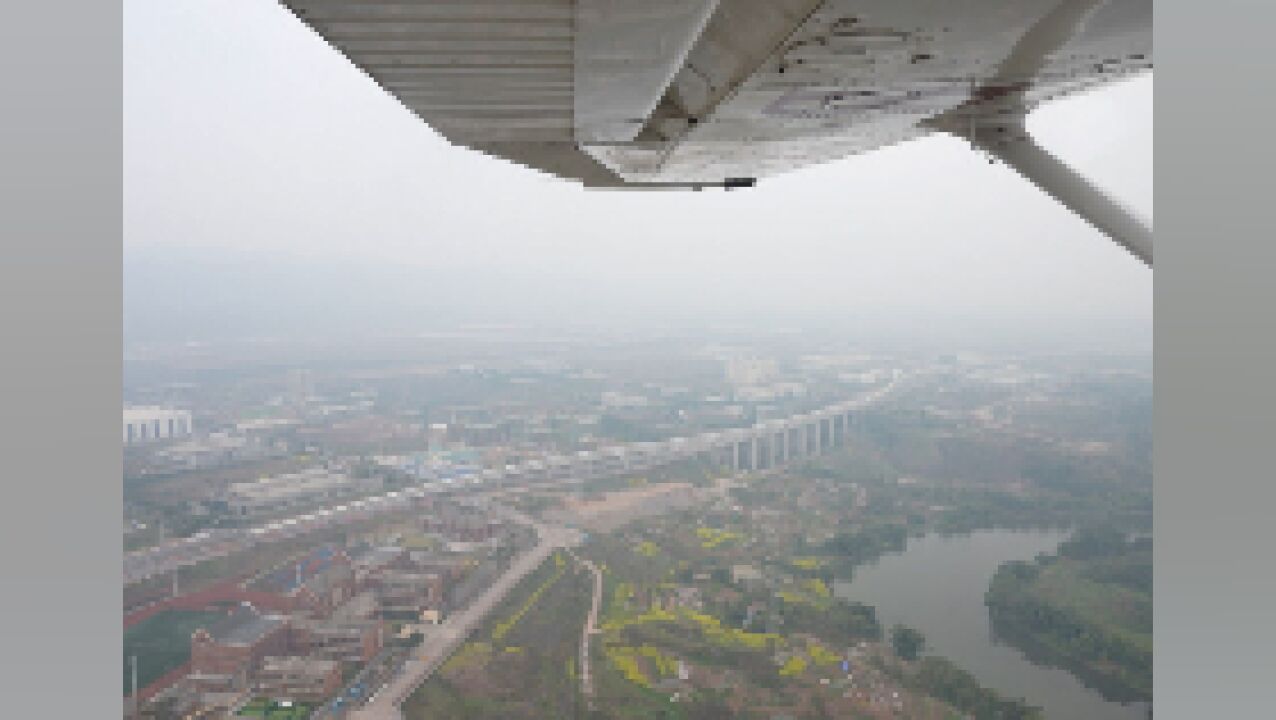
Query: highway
x=209, y=544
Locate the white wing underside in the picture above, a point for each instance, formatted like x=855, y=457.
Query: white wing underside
x=613, y=92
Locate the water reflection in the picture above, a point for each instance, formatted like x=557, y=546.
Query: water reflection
x=937, y=585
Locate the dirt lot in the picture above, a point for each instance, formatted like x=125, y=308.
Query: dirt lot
x=614, y=509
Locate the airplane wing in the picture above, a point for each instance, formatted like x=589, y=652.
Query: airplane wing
x=700, y=93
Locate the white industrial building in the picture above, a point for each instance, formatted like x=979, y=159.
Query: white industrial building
x=154, y=423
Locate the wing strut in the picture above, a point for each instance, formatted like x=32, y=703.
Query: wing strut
x=993, y=120
x=1073, y=191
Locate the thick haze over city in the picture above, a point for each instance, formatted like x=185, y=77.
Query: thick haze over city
x=410, y=432
x=272, y=190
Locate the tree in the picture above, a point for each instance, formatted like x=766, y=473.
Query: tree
x=907, y=642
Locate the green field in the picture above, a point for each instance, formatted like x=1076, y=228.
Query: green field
x=161, y=643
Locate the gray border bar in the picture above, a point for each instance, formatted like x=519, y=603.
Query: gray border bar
x=60, y=296
x=1215, y=354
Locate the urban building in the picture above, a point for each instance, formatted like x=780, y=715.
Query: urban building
x=348, y=641
x=402, y=593
x=462, y=525
x=434, y=464
x=325, y=591
x=746, y=371
x=282, y=492
x=298, y=678
x=377, y=558
x=314, y=585
x=201, y=692
x=144, y=424
x=235, y=644
x=301, y=385
x=216, y=450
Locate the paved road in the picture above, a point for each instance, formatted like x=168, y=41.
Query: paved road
x=443, y=640
x=370, y=676
x=591, y=628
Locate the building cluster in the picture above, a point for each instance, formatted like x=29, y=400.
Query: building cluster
x=295, y=632
x=410, y=585
x=218, y=446
x=216, y=450
x=760, y=447
x=464, y=526
x=433, y=465
x=747, y=371
x=298, y=632
x=311, y=621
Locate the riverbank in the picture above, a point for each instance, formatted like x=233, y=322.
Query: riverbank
x=1086, y=608
x=938, y=585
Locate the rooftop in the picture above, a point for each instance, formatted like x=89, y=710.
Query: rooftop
x=295, y=667
x=323, y=581
x=378, y=556
x=289, y=576
x=243, y=626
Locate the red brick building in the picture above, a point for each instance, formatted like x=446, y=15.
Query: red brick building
x=236, y=643
x=350, y=641
x=405, y=592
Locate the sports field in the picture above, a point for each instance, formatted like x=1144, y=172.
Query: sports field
x=161, y=643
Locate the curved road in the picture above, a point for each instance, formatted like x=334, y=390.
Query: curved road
x=591, y=628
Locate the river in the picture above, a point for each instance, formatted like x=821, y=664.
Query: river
x=937, y=586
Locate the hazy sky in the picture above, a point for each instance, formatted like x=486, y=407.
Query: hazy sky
x=269, y=186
